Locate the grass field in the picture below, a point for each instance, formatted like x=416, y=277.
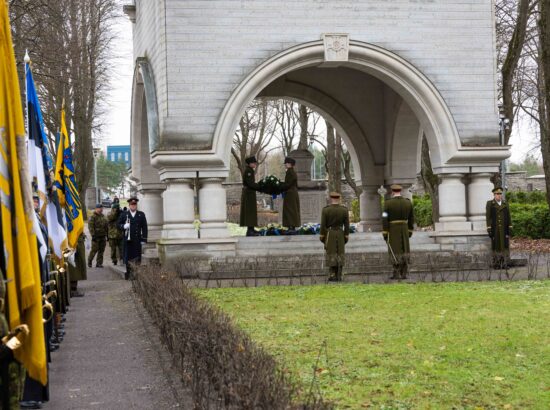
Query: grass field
x=427, y=346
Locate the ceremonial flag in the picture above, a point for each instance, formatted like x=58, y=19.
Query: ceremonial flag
x=40, y=163
x=23, y=289
x=66, y=186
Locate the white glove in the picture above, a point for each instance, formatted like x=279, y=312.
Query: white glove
x=126, y=225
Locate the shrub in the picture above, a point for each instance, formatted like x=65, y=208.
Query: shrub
x=224, y=367
x=355, y=210
x=422, y=207
x=522, y=197
x=531, y=220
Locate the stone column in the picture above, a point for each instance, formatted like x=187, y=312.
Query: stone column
x=150, y=202
x=452, y=204
x=213, y=209
x=370, y=209
x=179, y=210
x=479, y=192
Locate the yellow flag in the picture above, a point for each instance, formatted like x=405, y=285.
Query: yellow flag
x=66, y=186
x=23, y=289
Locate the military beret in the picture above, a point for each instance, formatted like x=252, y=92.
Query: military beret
x=334, y=195
x=396, y=187
x=289, y=160
x=133, y=200
x=497, y=190
x=98, y=206
x=251, y=160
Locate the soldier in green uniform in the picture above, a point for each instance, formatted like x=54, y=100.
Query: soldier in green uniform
x=78, y=271
x=398, y=225
x=335, y=234
x=99, y=229
x=499, y=228
x=291, y=201
x=249, y=213
x=12, y=374
x=115, y=234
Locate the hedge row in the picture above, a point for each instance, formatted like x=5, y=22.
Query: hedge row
x=223, y=366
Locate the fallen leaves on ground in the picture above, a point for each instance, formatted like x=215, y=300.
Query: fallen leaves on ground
x=530, y=245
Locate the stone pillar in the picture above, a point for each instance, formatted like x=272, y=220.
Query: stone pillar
x=178, y=210
x=150, y=202
x=370, y=209
x=452, y=204
x=479, y=192
x=213, y=209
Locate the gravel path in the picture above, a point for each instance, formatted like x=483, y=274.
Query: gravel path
x=111, y=357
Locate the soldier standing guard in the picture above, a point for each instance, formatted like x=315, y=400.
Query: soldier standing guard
x=115, y=234
x=78, y=271
x=398, y=225
x=134, y=226
x=249, y=213
x=499, y=228
x=99, y=229
x=335, y=234
x=291, y=201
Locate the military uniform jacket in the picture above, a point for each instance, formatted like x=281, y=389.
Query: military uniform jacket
x=112, y=219
x=98, y=226
x=334, y=233
x=291, y=201
x=398, y=223
x=499, y=225
x=249, y=213
x=137, y=234
x=79, y=272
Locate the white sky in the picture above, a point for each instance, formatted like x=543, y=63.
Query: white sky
x=118, y=103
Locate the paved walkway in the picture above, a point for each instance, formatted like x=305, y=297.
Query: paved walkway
x=111, y=357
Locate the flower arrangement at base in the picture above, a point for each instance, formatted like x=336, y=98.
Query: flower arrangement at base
x=270, y=185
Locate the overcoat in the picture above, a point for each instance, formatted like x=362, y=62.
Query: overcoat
x=134, y=236
x=335, y=233
x=291, y=201
x=499, y=225
x=249, y=213
x=398, y=224
x=79, y=272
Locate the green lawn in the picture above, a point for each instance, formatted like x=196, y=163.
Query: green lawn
x=428, y=346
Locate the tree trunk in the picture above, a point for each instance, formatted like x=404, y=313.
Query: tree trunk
x=429, y=179
x=511, y=63
x=331, y=157
x=303, y=127
x=544, y=89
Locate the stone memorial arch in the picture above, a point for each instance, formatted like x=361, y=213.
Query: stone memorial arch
x=383, y=76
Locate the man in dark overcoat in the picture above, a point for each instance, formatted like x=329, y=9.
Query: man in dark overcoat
x=397, y=228
x=291, y=199
x=249, y=213
x=133, y=223
x=335, y=234
x=499, y=228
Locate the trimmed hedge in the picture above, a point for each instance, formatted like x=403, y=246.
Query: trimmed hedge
x=522, y=197
x=223, y=366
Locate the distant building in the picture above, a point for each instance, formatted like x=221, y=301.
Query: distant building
x=116, y=153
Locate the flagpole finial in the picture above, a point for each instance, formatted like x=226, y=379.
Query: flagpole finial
x=27, y=57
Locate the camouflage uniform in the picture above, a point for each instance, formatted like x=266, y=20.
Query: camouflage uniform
x=12, y=374
x=115, y=234
x=99, y=229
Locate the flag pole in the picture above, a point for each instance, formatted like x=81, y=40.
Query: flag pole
x=27, y=61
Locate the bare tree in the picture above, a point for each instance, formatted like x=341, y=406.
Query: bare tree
x=69, y=42
x=429, y=179
x=255, y=133
x=544, y=89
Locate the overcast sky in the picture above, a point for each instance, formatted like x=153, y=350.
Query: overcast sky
x=118, y=103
